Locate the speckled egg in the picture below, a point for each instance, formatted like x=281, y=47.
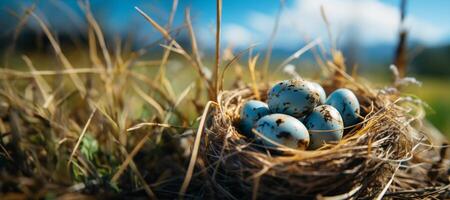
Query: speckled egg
x=324, y=125
x=250, y=113
x=346, y=103
x=320, y=91
x=293, y=97
x=283, y=129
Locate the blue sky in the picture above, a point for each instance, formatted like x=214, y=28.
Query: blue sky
x=372, y=22
x=369, y=22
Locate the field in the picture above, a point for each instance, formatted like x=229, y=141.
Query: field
x=434, y=90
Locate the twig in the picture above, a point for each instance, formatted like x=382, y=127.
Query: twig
x=401, y=60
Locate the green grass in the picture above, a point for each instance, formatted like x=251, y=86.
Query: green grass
x=436, y=92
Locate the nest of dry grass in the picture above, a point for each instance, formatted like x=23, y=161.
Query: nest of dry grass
x=389, y=154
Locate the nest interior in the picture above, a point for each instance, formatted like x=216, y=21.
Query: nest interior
x=389, y=154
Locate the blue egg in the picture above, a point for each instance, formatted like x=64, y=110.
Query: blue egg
x=283, y=129
x=293, y=97
x=324, y=125
x=321, y=91
x=251, y=112
x=347, y=104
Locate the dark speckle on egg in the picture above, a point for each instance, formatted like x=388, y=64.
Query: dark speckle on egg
x=263, y=124
x=326, y=114
x=279, y=121
x=284, y=134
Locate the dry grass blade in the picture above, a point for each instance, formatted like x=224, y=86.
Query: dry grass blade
x=154, y=86
x=43, y=86
x=147, y=188
x=93, y=56
x=129, y=157
x=195, y=51
x=161, y=77
x=6, y=153
x=173, y=11
x=99, y=34
x=173, y=48
x=103, y=111
x=75, y=78
x=388, y=184
x=347, y=195
x=251, y=67
x=328, y=26
x=198, y=136
x=162, y=69
x=141, y=125
x=298, y=53
x=165, y=34
x=181, y=97
x=149, y=100
x=349, y=78
x=81, y=137
x=215, y=76
x=268, y=54
x=22, y=22
x=255, y=188
x=193, y=40
x=31, y=74
x=231, y=62
x=177, y=48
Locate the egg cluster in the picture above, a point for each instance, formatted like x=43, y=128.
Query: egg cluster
x=299, y=115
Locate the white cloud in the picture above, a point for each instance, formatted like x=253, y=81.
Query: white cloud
x=368, y=21
x=232, y=34
x=426, y=32
x=237, y=35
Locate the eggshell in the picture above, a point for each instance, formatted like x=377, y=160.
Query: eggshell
x=293, y=97
x=346, y=103
x=283, y=129
x=324, y=125
x=251, y=112
x=320, y=91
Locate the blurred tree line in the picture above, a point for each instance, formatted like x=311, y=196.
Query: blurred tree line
x=433, y=61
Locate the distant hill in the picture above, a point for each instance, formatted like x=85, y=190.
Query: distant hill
x=431, y=61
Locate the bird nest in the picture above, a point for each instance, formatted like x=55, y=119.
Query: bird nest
x=389, y=154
